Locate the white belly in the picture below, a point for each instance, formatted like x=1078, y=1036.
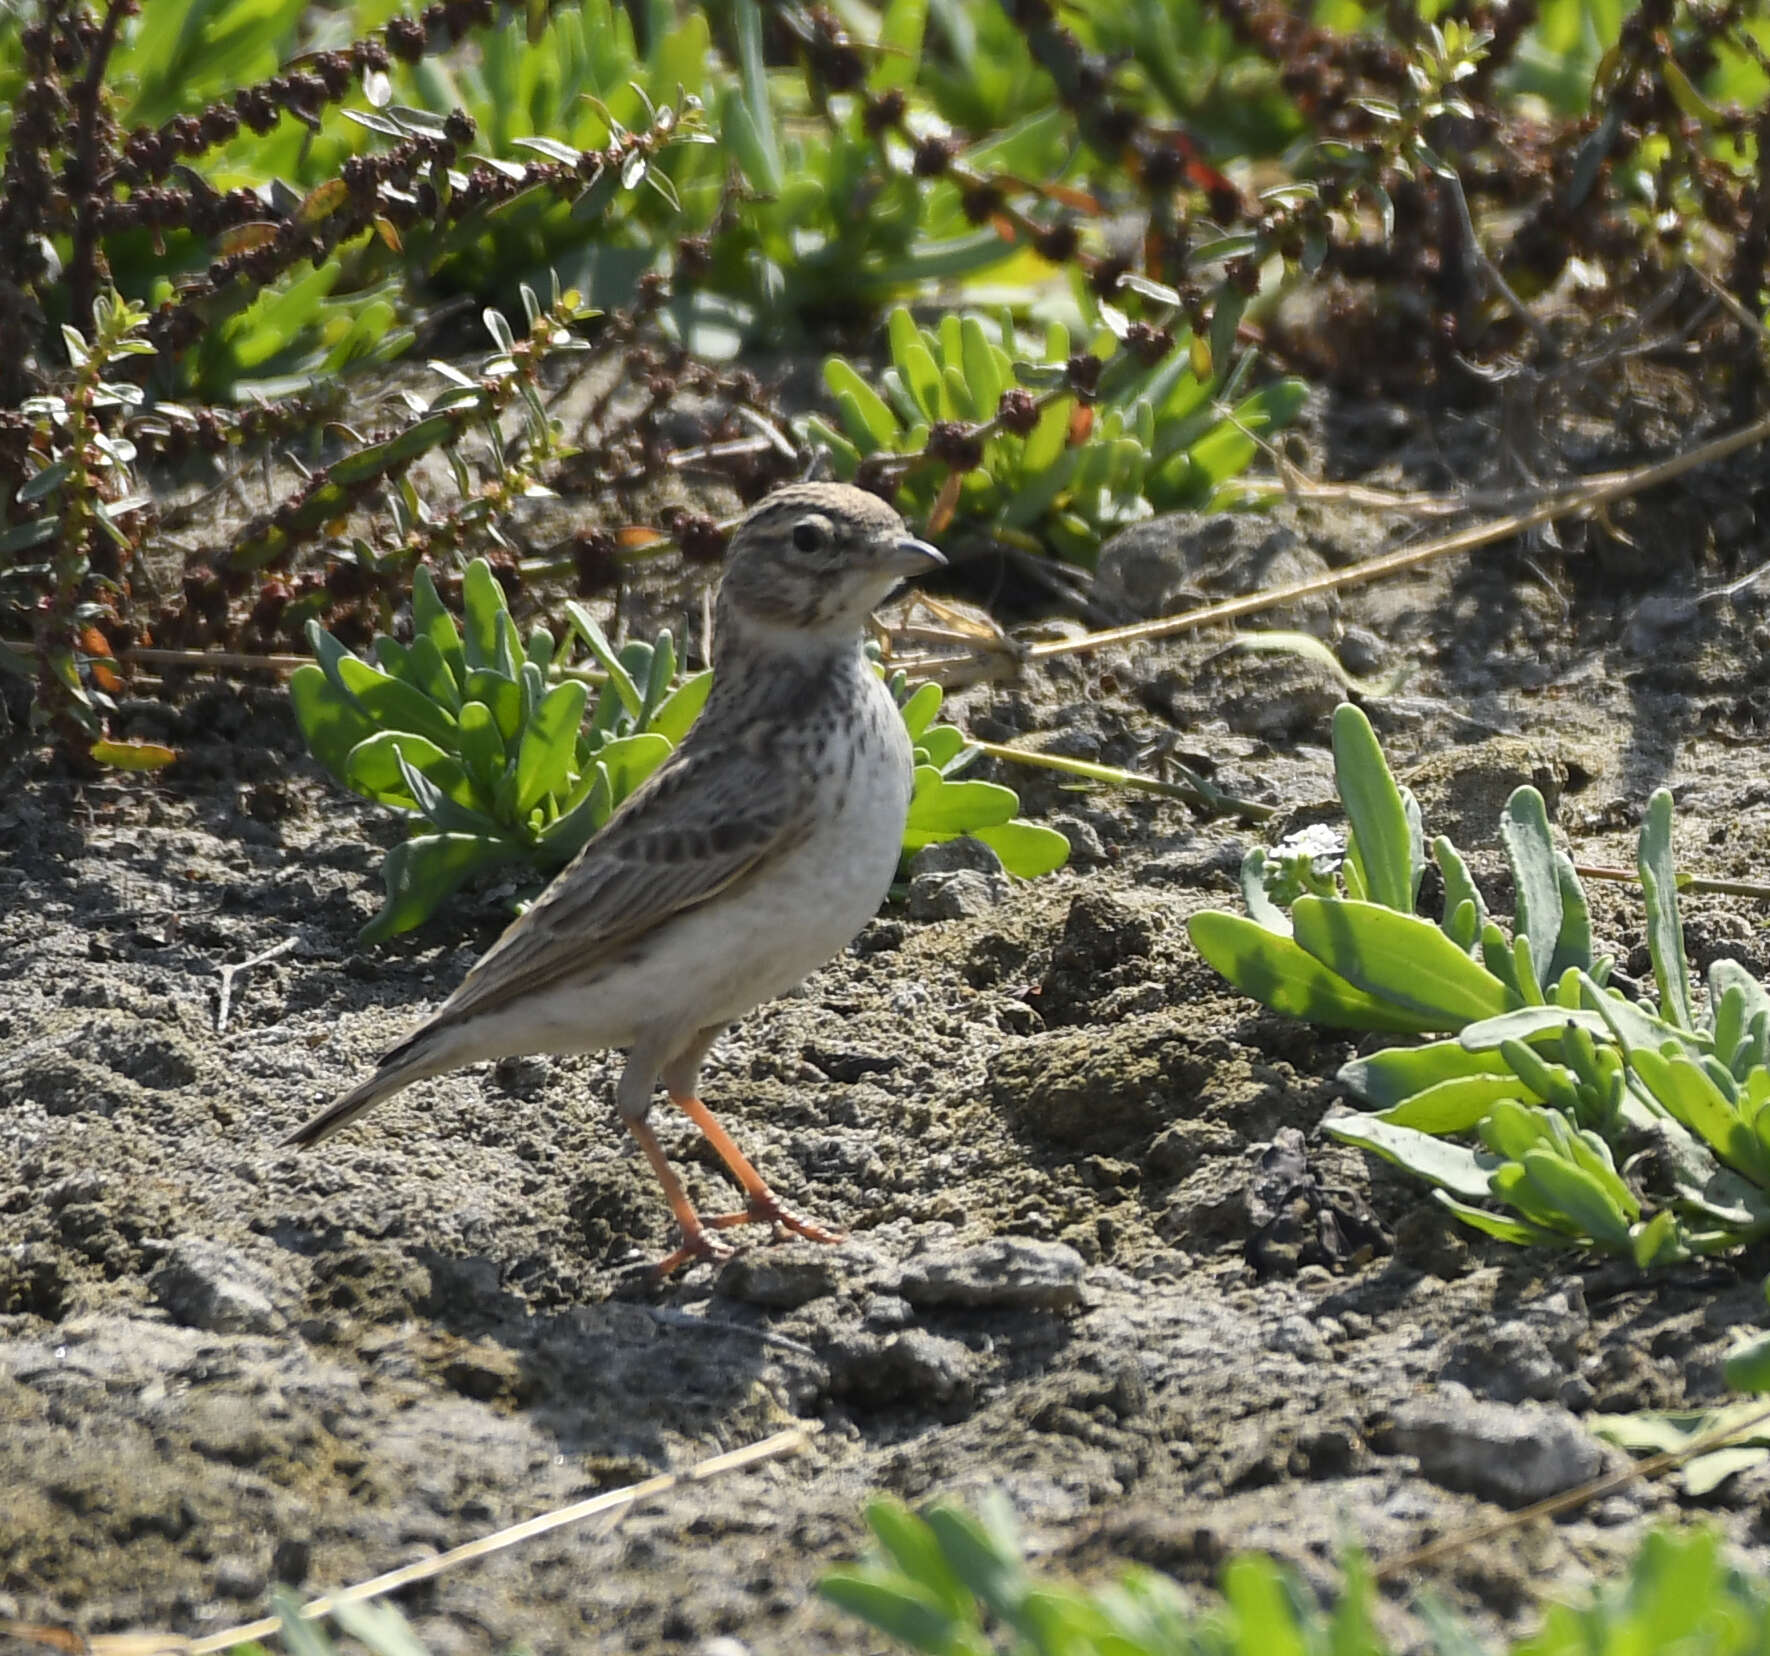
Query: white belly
x=757, y=939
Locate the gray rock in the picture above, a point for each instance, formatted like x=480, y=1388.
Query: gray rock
x=1510, y=1453
x=1298, y=1337
x=1012, y=1273
x=205, y=1285
x=1510, y=1359
x=950, y=856
x=915, y=1365
x=1086, y=848
x=961, y=895
x=240, y=1578
x=782, y=1279
x=1164, y=563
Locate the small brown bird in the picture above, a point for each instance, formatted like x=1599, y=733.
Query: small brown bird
x=754, y=853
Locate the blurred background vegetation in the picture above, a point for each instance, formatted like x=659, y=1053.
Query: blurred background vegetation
x=1062, y=267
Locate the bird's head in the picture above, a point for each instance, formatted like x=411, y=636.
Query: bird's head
x=816, y=559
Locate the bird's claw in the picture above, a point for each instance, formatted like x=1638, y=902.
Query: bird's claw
x=696, y=1246
x=768, y=1209
x=764, y=1209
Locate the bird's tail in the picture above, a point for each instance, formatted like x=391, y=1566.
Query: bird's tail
x=408, y=1062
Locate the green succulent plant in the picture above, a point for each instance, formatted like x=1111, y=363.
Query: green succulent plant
x=1044, y=459
x=1560, y=1079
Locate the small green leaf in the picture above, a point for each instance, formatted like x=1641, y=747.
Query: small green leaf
x=429, y=672
x=446, y=813
x=1524, y=828
x=373, y=770
x=590, y=807
x=1658, y=1243
x=898, y=1607
x=503, y=696
x=945, y=748
x=1456, y=1106
x=549, y=742
x=1665, y=932
x=991, y=1572
x=483, y=601
x=1747, y=1366
x=629, y=760
x=331, y=723
x=942, y=810
x=1027, y=849
x=1692, y=1096
x=870, y=422
x=1375, y=810
x=978, y=358
x=482, y=745
x=1464, y=911
x=393, y=704
x=1576, y=1194
x=620, y=680
x=657, y=679
x=1520, y=1232
x=423, y=872
x=431, y=620
x=679, y=710
x=1385, y=1079
x=921, y=373
x=913, y=1548
x=919, y=711
x=1463, y=1172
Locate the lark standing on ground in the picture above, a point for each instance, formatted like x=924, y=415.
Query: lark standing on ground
x=754, y=854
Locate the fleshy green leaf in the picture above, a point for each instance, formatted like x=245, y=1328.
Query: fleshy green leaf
x=1027, y=849
x=482, y=745
x=331, y=723
x=1524, y=828
x=373, y=770
x=420, y=873
x=1456, y=1106
x=431, y=620
x=1375, y=810
x=679, y=710
x=393, y=704
x=1385, y=1079
x=919, y=711
x=1665, y=932
x=941, y=809
x=1279, y=974
x=549, y=742
x=1463, y=1172
x=483, y=601
x=629, y=760
x=1398, y=958
x=503, y=696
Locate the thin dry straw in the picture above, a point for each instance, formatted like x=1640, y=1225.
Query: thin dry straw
x=1586, y=495
x=789, y=1442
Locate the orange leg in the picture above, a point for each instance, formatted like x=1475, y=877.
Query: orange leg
x=765, y=1208
x=696, y=1243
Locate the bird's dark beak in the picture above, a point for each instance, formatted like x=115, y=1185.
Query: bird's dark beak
x=910, y=556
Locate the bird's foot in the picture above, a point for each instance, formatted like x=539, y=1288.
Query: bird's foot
x=697, y=1245
x=768, y=1209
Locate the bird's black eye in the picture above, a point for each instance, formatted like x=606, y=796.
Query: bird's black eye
x=811, y=534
